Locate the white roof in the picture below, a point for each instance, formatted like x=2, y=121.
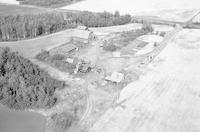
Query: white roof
x=196, y=19
x=151, y=38
x=115, y=77
x=81, y=33
x=116, y=54
x=70, y=60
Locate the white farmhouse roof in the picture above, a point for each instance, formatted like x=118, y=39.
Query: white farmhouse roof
x=115, y=77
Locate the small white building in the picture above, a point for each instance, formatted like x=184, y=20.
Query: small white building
x=70, y=60
x=116, y=54
x=115, y=77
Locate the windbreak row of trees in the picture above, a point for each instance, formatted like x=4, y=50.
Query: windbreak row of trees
x=23, y=85
x=17, y=27
x=103, y=19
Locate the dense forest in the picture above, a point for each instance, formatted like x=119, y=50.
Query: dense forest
x=48, y=3
x=17, y=27
x=23, y=85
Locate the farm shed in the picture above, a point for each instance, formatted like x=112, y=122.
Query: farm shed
x=116, y=54
x=65, y=49
x=84, y=36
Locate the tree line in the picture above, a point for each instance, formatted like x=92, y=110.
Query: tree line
x=18, y=27
x=102, y=19
x=29, y=26
x=23, y=84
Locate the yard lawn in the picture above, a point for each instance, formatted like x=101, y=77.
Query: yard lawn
x=6, y=9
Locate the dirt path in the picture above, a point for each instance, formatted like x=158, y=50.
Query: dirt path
x=166, y=99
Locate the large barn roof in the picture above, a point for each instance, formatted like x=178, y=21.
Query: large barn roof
x=81, y=33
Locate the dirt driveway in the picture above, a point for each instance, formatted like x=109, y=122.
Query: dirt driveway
x=166, y=98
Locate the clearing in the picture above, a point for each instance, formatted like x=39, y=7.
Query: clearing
x=101, y=94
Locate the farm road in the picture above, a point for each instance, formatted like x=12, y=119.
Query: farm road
x=31, y=47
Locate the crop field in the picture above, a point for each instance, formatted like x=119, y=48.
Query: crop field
x=179, y=10
x=133, y=6
x=6, y=9
x=181, y=15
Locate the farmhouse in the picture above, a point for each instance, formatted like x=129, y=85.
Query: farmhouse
x=81, y=34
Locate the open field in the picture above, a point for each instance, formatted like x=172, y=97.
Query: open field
x=6, y=9
x=9, y=1
x=133, y=6
x=166, y=97
x=172, y=10
x=181, y=15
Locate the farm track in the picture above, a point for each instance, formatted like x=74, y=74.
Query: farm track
x=166, y=99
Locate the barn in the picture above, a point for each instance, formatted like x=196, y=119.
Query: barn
x=83, y=35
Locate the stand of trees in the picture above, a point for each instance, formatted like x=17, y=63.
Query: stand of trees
x=17, y=27
x=103, y=19
x=23, y=85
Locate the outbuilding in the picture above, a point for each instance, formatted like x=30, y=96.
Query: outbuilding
x=115, y=77
x=83, y=36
